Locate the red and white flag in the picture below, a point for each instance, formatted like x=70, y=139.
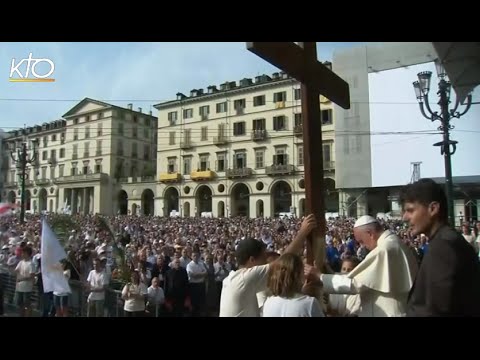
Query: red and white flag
x=6, y=208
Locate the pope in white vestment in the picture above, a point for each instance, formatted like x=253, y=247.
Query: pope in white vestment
x=383, y=279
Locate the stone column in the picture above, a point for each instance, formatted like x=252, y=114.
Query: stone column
x=85, y=201
x=362, y=205
x=72, y=201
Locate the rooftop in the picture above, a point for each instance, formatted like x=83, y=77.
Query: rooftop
x=244, y=84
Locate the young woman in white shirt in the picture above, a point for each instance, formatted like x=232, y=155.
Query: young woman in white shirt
x=135, y=295
x=285, y=282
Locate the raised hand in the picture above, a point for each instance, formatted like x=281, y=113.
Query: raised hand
x=308, y=224
x=311, y=272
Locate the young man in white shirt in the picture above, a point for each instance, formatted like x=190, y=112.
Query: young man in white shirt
x=240, y=288
x=197, y=273
x=25, y=271
x=97, y=282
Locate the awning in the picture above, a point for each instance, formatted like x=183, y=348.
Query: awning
x=462, y=64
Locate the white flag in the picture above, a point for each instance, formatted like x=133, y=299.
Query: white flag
x=52, y=253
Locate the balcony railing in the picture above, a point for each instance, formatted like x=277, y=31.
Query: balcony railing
x=239, y=172
x=42, y=181
x=280, y=169
x=11, y=184
x=186, y=144
x=81, y=178
x=170, y=177
x=298, y=130
x=220, y=140
x=259, y=135
x=148, y=178
x=202, y=175
x=329, y=165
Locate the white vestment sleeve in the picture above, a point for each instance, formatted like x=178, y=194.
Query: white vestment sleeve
x=338, y=284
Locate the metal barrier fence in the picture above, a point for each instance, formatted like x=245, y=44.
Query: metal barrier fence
x=77, y=304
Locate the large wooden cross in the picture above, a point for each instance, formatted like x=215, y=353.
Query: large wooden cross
x=300, y=62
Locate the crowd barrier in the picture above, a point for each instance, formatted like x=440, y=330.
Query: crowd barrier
x=77, y=300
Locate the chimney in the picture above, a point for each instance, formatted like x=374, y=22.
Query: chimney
x=224, y=86
x=245, y=82
x=261, y=79
x=212, y=89
x=139, y=109
x=150, y=113
x=130, y=106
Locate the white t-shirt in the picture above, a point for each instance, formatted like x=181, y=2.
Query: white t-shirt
x=196, y=269
x=25, y=268
x=298, y=306
x=156, y=296
x=131, y=304
x=239, y=292
x=95, y=280
x=67, y=274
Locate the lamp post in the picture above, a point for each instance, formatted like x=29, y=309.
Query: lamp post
x=22, y=161
x=447, y=146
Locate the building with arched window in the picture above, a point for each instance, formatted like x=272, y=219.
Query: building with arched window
x=238, y=150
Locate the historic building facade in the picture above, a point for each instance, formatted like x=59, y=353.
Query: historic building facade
x=238, y=150
x=86, y=162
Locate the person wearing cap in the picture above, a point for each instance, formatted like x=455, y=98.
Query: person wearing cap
x=240, y=288
x=448, y=282
x=383, y=279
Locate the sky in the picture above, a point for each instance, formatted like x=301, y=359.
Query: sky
x=148, y=73
x=140, y=73
x=394, y=108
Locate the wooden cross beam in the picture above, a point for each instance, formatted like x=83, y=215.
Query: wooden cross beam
x=300, y=62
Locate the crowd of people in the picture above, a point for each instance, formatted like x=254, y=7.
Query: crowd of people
x=172, y=266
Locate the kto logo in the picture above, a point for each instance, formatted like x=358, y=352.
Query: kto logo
x=32, y=69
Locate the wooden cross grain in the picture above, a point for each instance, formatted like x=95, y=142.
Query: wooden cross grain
x=300, y=62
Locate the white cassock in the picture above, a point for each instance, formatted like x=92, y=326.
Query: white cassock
x=383, y=280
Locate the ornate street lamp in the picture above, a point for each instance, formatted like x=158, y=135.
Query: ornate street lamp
x=447, y=146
